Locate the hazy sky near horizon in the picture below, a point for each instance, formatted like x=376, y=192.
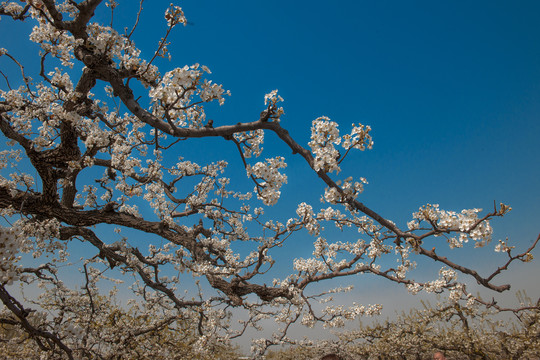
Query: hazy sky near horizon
x=451, y=90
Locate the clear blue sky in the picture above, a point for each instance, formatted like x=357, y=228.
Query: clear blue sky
x=450, y=88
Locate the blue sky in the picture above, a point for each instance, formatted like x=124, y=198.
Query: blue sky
x=451, y=90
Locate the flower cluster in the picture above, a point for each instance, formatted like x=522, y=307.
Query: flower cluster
x=272, y=180
x=466, y=223
x=11, y=8
x=349, y=189
x=57, y=43
x=10, y=244
x=339, y=313
x=307, y=218
x=359, y=138
x=271, y=100
x=252, y=141
x=324, y=135
x=173, y=95
x=174, y=16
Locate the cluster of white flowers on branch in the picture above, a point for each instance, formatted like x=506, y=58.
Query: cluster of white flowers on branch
x=102, y=130
x=325, y=134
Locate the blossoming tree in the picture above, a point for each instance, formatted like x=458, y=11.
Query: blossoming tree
x=462, y=332
x=90, y=137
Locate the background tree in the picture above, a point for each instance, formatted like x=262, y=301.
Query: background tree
x=97, y=327
x=99, y=137
x=461, y=330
